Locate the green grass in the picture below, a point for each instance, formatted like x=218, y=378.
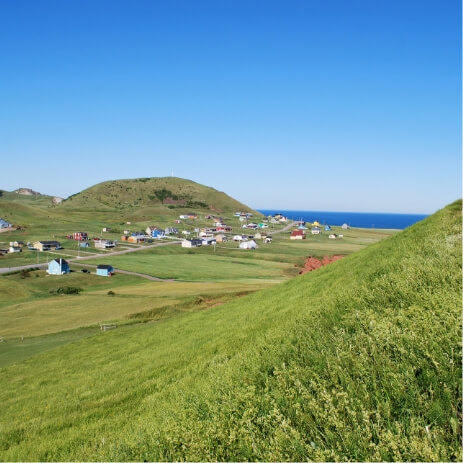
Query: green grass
x=360, y=360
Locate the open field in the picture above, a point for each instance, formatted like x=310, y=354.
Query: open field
x=360, y=360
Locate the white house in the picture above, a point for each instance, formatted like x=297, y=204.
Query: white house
x=332, y=236
x=251, y=244
x=193, y=243
x=344, y=226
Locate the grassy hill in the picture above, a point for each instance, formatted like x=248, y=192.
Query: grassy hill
x=163, y=193
x=360, y=360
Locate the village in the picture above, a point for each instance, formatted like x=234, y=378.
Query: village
x=190, y=230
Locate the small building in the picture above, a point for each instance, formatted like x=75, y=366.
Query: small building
x=104, y=244
x=332, y=236
x=238, y=238
x=106, y=230
x=186, y=232
x=80, y=236
x=155, y=232
x=224, y=228
x=315, y=231
x=5, y=224
x=340, y=236
x=192, y=216
x=327, y=228
x=344, y=226
x=105, y=270
x=136, y=239
x=302, y=227
x=193, y=243
x=58, y=267
x=251, y=244
x=297, y=235
x=17, y=244
x=316, y=223
x=47, y=245
x=262, y=225
x=183, y=216
x=257, y=235
x=12, y=249
x=221, y=238
x=84, y=244
x=171, y=231
x=267, y=240
x=208, y=241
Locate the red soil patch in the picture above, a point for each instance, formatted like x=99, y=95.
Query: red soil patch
x=312, y=263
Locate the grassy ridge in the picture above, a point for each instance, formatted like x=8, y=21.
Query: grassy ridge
x=360, y=360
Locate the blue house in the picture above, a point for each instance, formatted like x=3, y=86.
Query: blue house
x=58, y=267
x=327, y=228
x=157, y=233
x=104, y=270
x=5, y=224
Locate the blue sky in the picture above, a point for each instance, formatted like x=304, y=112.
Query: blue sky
x=317, y=105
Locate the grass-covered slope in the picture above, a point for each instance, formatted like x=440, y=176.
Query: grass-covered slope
x=359, y=360
x=165, y=192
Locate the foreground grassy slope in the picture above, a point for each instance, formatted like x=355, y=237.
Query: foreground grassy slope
x=360, y=360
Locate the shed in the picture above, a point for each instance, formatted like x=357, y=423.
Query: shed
x=105, y=270
x=5, y=224
x=315, y=231
x=58, y=267
x=193, y=243
x=327, y=228
x=344, y=226
x=47, y=245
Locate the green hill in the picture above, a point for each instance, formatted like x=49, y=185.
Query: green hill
x=163, y=193
x=359, y=360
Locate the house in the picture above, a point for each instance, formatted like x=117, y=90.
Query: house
x=257, y=235
x=237, y=238
x=297, y=235
x=136, y=239
x=192, y=216
x=58, y=267
x=193, y=243
x=267, y=240
x=316, y=223
x=104, y=270
x=149, y=230
x=17, y=244
x=315, y=231
x=104, y=244
x=183, y=216
x=14, y=249
x=178, y=221
x=332, y=236
x=248, y=245
x=5, y=224
x=106, y=230
x=262, y=225
x=344, y=226
x=155, y=232
x=186, y=232
x=327, y=228
x=84, y=244
x=224, y=228
x=47, y=245
x=340, y=236
x=126, y=232
x=302, y=227
x=80, y=236
x=273, y=220
x=208, y=241
x=171, y=231
x=221, y=238
x=252, y=226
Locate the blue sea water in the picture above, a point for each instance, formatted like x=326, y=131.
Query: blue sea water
x=353, y=219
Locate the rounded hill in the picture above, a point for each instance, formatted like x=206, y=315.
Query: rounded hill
x=169, y=193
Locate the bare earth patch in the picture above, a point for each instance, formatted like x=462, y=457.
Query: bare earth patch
x=312, y=263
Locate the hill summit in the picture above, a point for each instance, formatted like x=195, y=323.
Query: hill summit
x=164, y=192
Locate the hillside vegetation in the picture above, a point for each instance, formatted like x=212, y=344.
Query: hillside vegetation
x=168, y=192
x=359, y=360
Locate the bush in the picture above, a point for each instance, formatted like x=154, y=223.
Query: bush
x=111, y=293
x=66, y=290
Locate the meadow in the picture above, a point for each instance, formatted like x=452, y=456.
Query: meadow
x=359, y=360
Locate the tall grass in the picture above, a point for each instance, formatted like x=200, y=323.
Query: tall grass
x=360, y=360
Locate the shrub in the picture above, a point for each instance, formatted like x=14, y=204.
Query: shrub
x=65, y=290
x=111, y=293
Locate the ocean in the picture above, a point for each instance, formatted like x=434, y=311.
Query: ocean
x=353, y=219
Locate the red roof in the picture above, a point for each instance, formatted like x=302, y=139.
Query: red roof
x=297, y=233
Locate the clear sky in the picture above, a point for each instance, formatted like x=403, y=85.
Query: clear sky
x=314, y=104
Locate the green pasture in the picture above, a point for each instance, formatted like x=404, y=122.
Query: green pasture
x=358, y=361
